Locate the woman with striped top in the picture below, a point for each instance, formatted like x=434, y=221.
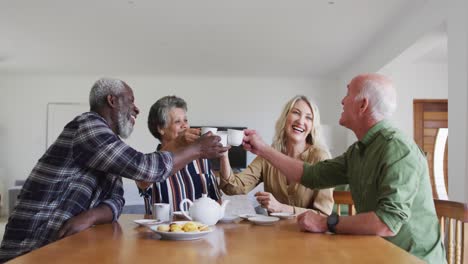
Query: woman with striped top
x=167, y=121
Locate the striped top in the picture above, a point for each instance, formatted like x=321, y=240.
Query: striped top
x=190, y=182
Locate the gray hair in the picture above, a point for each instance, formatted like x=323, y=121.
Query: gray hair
x=381, y=94
x=101, y=89
x=158, y=114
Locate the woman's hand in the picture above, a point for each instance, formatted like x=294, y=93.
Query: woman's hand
x=189, y=135
x=269, y=202
x=143, y=185
x=183, y=139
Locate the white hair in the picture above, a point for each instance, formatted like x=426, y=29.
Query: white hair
x=381, y=95
x=101, y=89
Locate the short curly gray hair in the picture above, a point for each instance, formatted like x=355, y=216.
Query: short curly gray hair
x=158, y=114
x=102, y=88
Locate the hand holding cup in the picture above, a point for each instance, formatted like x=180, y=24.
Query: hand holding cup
x=253, y=142
x=210, y=146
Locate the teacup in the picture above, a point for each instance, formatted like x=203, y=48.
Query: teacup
x=162, y=212
x=235, y=137
x=205, y=130
x=224, y=137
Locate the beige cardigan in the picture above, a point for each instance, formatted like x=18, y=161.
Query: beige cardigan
x=295, y=194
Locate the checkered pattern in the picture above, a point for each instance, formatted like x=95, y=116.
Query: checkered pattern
x=81, y=170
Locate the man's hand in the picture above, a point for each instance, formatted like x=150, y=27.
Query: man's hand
x=253, y=142
x=312, y=222
x=269, y=202
x=210, y=146
x=76, y=224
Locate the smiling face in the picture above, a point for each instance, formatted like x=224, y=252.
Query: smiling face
x=298, y=122
x=177, y=122
x=127, y=113
x=350, y=112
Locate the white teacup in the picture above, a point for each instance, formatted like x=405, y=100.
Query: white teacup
x=224, y=137
x=235, y=137
x=205, y=130
x=162, y=212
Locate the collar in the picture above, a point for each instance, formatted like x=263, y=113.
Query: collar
x=372, y=134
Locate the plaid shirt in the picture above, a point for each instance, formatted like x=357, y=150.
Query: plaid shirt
x=80, y=171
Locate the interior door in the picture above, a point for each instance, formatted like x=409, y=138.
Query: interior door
x=431, y=134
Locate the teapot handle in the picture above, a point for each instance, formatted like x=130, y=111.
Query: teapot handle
x=181, y=206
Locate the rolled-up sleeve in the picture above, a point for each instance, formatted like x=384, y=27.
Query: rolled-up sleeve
x=115, y=199
x=396, y=187
x=325, y=174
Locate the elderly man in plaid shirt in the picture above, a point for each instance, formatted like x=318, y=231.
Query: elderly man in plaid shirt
x=77, y=183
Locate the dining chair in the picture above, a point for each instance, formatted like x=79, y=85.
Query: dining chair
x=453, y=217
x=344, y=200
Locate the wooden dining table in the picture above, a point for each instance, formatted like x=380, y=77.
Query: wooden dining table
x=240, y=242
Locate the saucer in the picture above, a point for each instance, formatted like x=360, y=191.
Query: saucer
x=283, y=215
x=247, y=216
x=263, y=220
x=147, y=222
x=229, y=219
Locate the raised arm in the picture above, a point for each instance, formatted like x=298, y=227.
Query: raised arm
x=290, y=167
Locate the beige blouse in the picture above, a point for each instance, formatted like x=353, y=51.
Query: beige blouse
x=295, y=194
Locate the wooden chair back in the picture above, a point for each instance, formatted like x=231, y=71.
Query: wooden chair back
x=344, y=199
x=453, y=217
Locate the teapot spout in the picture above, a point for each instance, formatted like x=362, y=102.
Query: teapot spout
x=223, y=208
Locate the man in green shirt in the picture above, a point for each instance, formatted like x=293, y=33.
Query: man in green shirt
x=386, y=171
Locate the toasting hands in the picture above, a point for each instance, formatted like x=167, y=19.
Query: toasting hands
x=184, y=138
x=253, y=142
x=210, y=146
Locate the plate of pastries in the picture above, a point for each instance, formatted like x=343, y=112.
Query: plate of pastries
x=182, y=230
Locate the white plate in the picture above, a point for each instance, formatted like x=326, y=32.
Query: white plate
x=147, y=222
x=263, y=220
x=180, y=235
x=283, y=215
x=247, y=216
x=229, y=219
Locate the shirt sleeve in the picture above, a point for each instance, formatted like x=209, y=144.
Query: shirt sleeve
x=95, y=146
x=397, y=185
x=244, y=181
x=325, y=174
x=115, y=199
x=322, y=199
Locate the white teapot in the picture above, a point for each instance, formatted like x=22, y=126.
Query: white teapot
x=204, y=210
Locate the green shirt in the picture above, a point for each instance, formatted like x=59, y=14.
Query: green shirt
x=387, y=174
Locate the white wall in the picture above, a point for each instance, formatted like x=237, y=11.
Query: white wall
x=416, y=81
x=404, y=34
x=251, y=102
x=457, y=29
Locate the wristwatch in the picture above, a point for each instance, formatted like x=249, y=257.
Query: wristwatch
x=332, y=221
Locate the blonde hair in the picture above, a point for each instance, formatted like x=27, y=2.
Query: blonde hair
x=315, y=136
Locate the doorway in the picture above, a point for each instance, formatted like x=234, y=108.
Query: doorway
x=431, y=134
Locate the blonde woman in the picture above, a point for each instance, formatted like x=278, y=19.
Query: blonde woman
x=297, y=135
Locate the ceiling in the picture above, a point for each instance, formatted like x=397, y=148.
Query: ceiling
x=204, y=37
